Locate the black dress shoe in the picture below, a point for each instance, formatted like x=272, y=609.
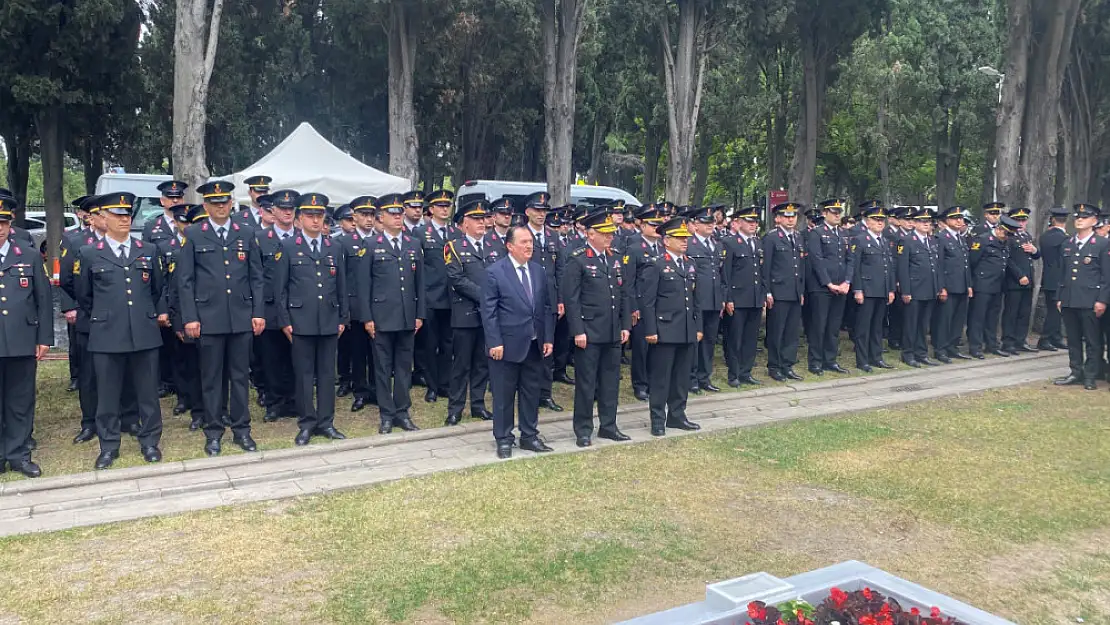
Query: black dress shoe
x=1060, y=345
x=977, y=355
x=504, y=451
x=430, y=396
x=535, y=445
x=613, y=435
x=84, y=436
x=26, y=467
x=734, y=382
x=999, y=352
x=481, y=413
x=550, y=404
x=882, y=364
x=1090, y=386
x=406, y=424
x=928, y=363
x=816, y=371
x=419, y=380
x=272, y=414
x=179, y=408
x=865, y=368
x=195, y=425
x=1046, y=347
x=912, y=363
x=358, y=404
x=564, y=378
x=695, y=390
x=1068, y=380
x=836, y=368
x=260, y=399
x=72, y=386
x=711, y=388
x=343, y=390
x=303, y=437
x=776, y=376
x=1025, y=348
x=385, y=428
x=640, y=394
x=151, y=454
x=132, y=429
x=245, y=442
x=793, y=376
x=658, y=431
x=747, y=379
x=453, y=419
x=942, y=358
x=684, y=424
x=105, y=459
x=331, y=433
x=583, y=441
x=960, y=356
x=212, y=447
x=164, y=392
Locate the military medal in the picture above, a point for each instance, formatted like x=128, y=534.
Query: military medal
x=24, y=282
x=242, y=256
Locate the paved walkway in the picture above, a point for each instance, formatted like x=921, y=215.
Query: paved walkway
x=83, y=499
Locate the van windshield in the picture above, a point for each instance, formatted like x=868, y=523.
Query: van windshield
x=146, y=208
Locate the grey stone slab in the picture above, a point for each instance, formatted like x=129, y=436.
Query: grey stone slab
x=261, y=492
x=47, y=483
x=286, y=464
x=181, y=479
x=13, y=514
x=91, y=491
x=220, y=462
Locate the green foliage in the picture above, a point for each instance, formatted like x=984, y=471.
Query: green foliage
x=73, y=181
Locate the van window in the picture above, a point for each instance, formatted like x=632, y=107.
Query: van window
x=145, y=208
x=31, y=223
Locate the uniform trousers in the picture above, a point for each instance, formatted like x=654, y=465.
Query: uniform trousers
x=436, y=335
x=668, y=394
x=783, y=319
x=278, y=353
x=74, y=353
x=362, y=361
x=895, y=312
x=563, y=348
x=167, y=358
x=188, y=385
x=17, y=411
x=313, y=368
x=1053, y=321
x=344, y=369
x=87, y=395
x=1018, y=304
x=827, y=312
x=597, y=371
x=949, y=318
x=517, y=383
x=257, y=365
x=639, y=358
x=743, y=338
x=701, y=365
x=982, y=322
x=469, y=370
x=916, y=317
x=114, y=372
x=225, y=358
x=868, y=334
x=1084, y=333
x=393, y=353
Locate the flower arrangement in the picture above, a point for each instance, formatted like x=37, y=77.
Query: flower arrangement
x=860, y=607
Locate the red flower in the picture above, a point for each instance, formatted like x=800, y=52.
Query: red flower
x=756, y=610
x=867, y=620
x=780, y=622
x=838, y=596
x=885, y=610
x=867, y=594
x=934, y=612
x=915, y=611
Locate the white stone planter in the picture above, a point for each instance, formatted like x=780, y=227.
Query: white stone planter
x=726, y=603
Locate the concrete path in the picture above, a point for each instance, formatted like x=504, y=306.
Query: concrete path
x=83, y=499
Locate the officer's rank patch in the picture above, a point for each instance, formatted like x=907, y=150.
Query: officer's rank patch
x=171, y=267
x=64, y=250
x=77, y=267
x=362, y=251
x=853, y=247
x=900, y=249
x=24, y=282
x=976, y=245
x=277, y=256
x=625, y=260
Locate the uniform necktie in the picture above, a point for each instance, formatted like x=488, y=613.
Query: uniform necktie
x=478, y=249
x=709, y=244
x=527, y=283
x=315, y=247
x=751, y=242
x=222, y=232
x=681, y=266
x=396, y=247
x=122, y=253
x=442, y=234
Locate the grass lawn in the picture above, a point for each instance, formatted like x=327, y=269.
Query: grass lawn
x=58, y=418
x=1000, y=500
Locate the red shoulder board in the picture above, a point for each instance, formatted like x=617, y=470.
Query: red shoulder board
x=327, y=241
x=299, y=240
x=780, y=234
x=494, y=235
x=235, y=226
x=589, y=252
x=407, y=239
x=18, y=252
x=379, y=239
x=138, y=244
x=643, y=245
x=354, y=235
x=100, y=245
x=270, y=234
x=89, y=241
x=667, y=256
x=204, y=226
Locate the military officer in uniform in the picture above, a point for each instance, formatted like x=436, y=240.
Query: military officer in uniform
x=187, y=367
x=501, y=212
x=599, y=320
x=168, y=249
x=992, y=213
x=873, y=269
x=670, y=310
x=436, y=334
x=745, y=295
x=1018, y=299
x=1084, y=293
x=1051, y=243
x=276, y=350
x=257, y=187
x=414, y=211
x=922, y=284
x=784, y=275
x=164, y=227
x=545, y=251
x=119, y=281
x=26, y=333
x=466, y=260
x=393, y=303
x=221, y=288
x=354, y=338
x=955, y=268
x=830, y=280
x=988, y=256
x=639, y=252
x=312, y=307
x=707, y=255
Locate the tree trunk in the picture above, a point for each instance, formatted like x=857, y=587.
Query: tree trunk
x=701, y=168
x=653, y=147
x=803, y=169
x=948, y=137
x=597, y=150
x=48, y=122
x=1011, y=111
x=884, y=151
x=988, y=167
x=196, y=37
x=92, y=161
x=777, y=148
x=684, y=77
x=404, y=146
x=18, y=145
x=561, y=25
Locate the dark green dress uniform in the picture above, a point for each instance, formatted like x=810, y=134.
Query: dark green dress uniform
x=873, y=268
x=277, y=351
x=1050, y=246
x=708, y=257
x=1017, y=303
x=1086, y=281
x=638, y=254
x=354, y=338
x=466, y=274
x=951, y=316
x=311, y=289
x=669, y=311
x=122, y=290
x=784, y=276
x=919, y=277
x=26, y=321
x=437, y=332
x=393, y=298
x=988, y=256
x=220, y=284
x=828, y=263
x=748, y=295
x=597, y=305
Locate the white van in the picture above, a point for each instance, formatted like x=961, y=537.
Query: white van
x=580, y=194
x=145, y=188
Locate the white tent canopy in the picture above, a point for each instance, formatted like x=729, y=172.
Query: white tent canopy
x=307, y=162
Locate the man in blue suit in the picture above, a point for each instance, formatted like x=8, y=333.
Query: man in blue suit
x=520, y=330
